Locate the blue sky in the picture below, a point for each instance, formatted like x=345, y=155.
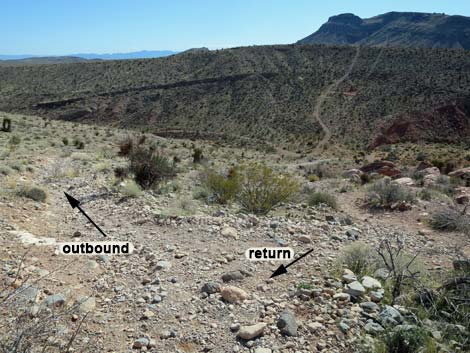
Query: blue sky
x=56, y=27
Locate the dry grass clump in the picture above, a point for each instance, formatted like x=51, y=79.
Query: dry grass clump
x=323, y=198
x=451, y=219
x=384, y=194
x=32, y=192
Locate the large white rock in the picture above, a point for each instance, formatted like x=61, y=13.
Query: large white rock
x=405, y=181
x=355, y=289
x=250, y=332
x=229, y=232
x=371, y=283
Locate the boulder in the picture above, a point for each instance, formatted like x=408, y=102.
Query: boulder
x=405, y=181
x=229, y=232
x=233, y=294
x=390, y=316
x=232, y=276
x=369, y=306
x=355, y=289
x=250, y=332
x=55, y=300
x=463, y=173
x=140, y=343
x=430, y=180
x=287, y=323
x=373, y=328
x=385, y=168
x=211, y=287
x=429, y=171
x=370, y=283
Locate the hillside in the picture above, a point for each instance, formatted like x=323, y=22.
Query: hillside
x=399, y=29
x=42, y=60
x=275, y=93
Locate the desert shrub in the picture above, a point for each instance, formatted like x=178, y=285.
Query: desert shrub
x=150, y=167
x=104, y=166
x=18, y=166
x=5, y=170
x=444, y=185
x=79, y=144
x=65, y=141
x=125, y=147
x=32, y=192
x=451, y=219
x=404, y=340
x=131, y=189
x=323, y=170
x=14, y=140
x=384, y=194
x=450, y=166
x=121, y=172
x=438, y=163
x=313, y=178
x=262, y=189
x=197, y=155
x=201, y=194
x=404, y=270
x=421, y=156
x=317, y=198
x=426, y=194
x=365, y=178
x=222, y=187
x=360, y=258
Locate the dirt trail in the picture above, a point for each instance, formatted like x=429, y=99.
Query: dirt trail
x=321, y=99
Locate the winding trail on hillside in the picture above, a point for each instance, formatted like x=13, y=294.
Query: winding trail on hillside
x=321, y=99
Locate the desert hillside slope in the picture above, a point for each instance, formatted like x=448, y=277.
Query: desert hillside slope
x=265, y=92
x=400, y=29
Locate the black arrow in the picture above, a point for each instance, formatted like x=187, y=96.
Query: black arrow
x=283, y=269
x=76, y=204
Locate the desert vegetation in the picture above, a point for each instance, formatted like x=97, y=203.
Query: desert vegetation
x=177, y=195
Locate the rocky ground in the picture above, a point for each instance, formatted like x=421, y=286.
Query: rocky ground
x=188, y=286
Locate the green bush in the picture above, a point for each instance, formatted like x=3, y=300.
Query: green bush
x=405, y=340
x=360, y=258
x=262, y=189
x=65, y=141
x=5, y=170
x=131, y=189
x=450, y=219
x=323, y=170
x=421, y=156
x=125, y=147
x=121, y=172
x=197, y=155
x=384, y=194
x=317, y=198
x=14, y=140
x=33, y=192
x=78, y=144
x=150, y=167
x=223, y=188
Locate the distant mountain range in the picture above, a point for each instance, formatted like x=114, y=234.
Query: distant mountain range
x=144, y=54
x=395, y=29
